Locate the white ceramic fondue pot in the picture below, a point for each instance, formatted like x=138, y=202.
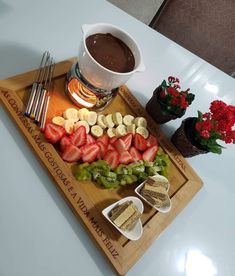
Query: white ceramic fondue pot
x=96, y=74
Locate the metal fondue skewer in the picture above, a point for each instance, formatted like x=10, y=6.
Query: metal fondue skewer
x=43, y=92
x=39, y=88
x=35, y=87
x=46, y=99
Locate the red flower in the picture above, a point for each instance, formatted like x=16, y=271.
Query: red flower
x=198, y=126
x=176, y=86
x=231, y=108
x=171, y=79
x=206, y=115
x=217, y=105
x=207, y=125
x=162, y=94
x=175, y=101
x=183, y=102
x=216, y=124
x=172, y=91
x=229, y=137
x=222, y=125
x=184, y=105
x=205, y=134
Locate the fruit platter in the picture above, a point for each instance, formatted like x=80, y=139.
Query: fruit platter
x=112, y=150
x=97, y=159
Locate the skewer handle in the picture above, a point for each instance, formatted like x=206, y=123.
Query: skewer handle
x=40, y=105
x=44, y=113
x=31, y=99
x=36, y=101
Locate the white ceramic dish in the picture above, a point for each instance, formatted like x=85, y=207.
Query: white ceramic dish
x=95, y=73
x=137, y=231
x=163, y=209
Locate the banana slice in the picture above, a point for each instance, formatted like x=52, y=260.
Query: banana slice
x=128, y=120
x=68, y=126
x=100, y=121
x=120, y=130
x=140, y=121
x=91, y=118
x=82, y=123
x=96, y=131
x=58, y=120
x=109, y=121
x=117, y=118
x=71, y=114
x=130, y=129
x=143, y=131
x=111, y=132
x=82, y=113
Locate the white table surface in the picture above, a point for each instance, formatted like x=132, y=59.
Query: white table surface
x=39, y=235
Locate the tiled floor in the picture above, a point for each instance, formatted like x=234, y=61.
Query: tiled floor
x=142, y=10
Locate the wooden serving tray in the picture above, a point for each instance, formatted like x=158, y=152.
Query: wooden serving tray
x=88, y=199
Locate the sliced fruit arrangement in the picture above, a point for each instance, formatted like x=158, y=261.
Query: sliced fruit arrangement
x=115, y=150
x=102, y=172
x=122, y=158
x=114, y=124
x=54, y=133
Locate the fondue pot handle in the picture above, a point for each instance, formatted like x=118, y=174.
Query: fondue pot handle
x=141, y=67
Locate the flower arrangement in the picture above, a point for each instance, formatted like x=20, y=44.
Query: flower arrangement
x=216, y=125
x=173, y=100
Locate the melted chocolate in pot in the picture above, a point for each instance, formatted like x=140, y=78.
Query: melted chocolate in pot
x=110, y=52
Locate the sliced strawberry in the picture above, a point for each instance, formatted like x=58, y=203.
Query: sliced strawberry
x=104, y=139
x=136, y=155
x=53, y=133
x=71, y=153
x=119, y=145
x=82, y=147
x=113, y=139
x=103, y=149
x=99, y=157
x=111, y=147
x=127, y=140
x=150, y=153
x=125, y=157
x=151, y=141
x=139, y=142
x=64, y=142
x=90, y=139
x=112, y=158
x=78, y=137
x=90, y=152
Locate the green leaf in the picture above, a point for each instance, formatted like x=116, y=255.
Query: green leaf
x=164, y=84
x=199, y=115
x=215, y=149
x=190, y=97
